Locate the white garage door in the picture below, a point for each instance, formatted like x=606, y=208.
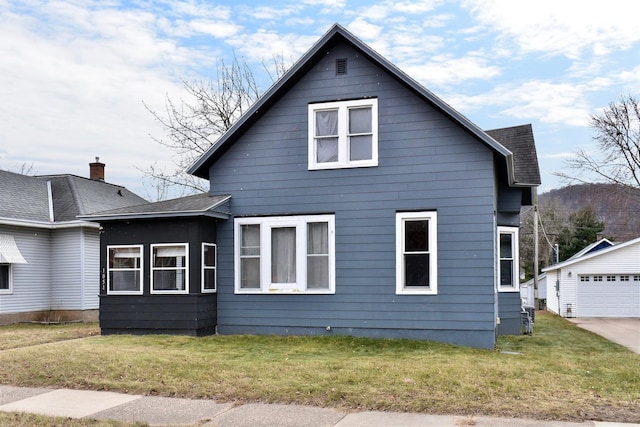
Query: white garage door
x=614, y=295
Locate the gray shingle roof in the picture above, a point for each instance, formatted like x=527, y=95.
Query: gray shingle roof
x=23, y=197
x=74, y=196
x=203, y=204
x=519, y=140
x=26, y=198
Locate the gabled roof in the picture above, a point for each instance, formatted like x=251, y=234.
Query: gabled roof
x=338, y=34
x=593, y=254
x=596, y=246
x=54, y=199
x=196, y=205
x=519, y=140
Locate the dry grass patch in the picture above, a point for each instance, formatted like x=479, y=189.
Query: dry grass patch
x=561, y=372
x=14, y=419
x=28, y=334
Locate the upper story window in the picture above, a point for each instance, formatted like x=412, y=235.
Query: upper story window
x=343, y=134
x=124, y=269
x=416, y=253
x=169, y=268
x=209, y=261
x=509, y=269
x=285, y=254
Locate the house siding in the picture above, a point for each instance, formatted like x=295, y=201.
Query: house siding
x=66, y=269
x=191, y=314
x=31, y=281
x=426, y=162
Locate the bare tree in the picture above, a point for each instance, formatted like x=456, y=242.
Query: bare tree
x=618, y=140
x=194, y=124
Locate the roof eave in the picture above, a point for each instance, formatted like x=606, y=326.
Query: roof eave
x=158, y=215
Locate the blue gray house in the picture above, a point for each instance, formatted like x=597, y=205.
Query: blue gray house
x=349, y=200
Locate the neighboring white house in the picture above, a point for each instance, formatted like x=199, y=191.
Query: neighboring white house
x=49, y=259
x=528, y=292
x=601, y=282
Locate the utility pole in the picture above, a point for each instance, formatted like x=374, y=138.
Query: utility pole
x=535, y=246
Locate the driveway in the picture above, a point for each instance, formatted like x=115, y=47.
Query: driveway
x=624, y=331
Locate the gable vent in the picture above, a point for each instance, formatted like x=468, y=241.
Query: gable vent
x=341, y=66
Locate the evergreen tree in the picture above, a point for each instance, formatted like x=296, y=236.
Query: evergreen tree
x=582, y=230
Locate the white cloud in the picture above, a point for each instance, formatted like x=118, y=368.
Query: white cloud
x=551, y=103
x=567, y=27
x=446, y=70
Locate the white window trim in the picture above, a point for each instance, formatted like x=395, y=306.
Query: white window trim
x=516, y=259
x=186, y=269
x=9, y=290
x=138, y=292
x=432, y=218
x=343, y=148
x=205, y=267
x=266, y=224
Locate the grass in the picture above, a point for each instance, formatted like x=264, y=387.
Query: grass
x=560, y=373
x=28, y=334
x=32, y=420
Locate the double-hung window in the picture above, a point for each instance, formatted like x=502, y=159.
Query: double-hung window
x=343, y=134
x=285, y=254
x=508, y=271
x=169, y=268
x=124, y=269
x=417, y=253
x=209, y=260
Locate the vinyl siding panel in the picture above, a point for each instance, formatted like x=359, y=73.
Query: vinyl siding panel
x=66, y=269
x=426, y=162
x=31, y=281
x=91, y=270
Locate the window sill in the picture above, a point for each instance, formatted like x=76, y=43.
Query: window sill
x=284, y=292
x=417, y=292
x=330, y=166
x=123, y=293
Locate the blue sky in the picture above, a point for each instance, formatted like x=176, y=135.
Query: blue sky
x=74, y=73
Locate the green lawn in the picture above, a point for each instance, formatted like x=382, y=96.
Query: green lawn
x=561, y=372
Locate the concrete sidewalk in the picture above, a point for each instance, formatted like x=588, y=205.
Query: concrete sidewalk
x=165, y=411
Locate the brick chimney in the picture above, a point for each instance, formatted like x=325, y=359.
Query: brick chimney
x=96, y=170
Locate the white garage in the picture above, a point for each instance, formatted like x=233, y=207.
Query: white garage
x=601, y=282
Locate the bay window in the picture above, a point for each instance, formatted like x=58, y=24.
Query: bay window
x=508, y=270
x=124, y=269
x=285, y=254
x=416, y=253
x=169, y=268
x=343, y=134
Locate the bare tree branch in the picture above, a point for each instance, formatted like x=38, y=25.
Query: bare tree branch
x=618, y=141
x=194, y=124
